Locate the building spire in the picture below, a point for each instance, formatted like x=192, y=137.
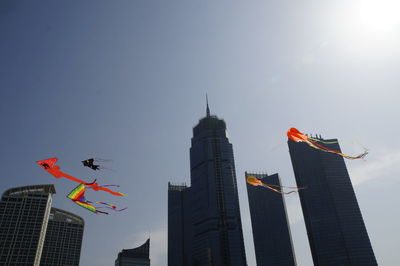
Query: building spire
x=208, y=108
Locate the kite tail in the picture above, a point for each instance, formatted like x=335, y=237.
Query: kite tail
x=280, y=191
x=88, y=184
x=279, y=186
x=325, y=148
x=110, y=206
x=104, y=188
x=110, y=185
x=102, y=160
x=104, y=168
x=97, y=211
x=361, y=156
x=271, y=185
x=322, y=141
x=277, y=190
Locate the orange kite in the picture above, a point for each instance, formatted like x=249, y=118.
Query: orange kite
x=256, y=182
x=50, y=167
x=295, y=135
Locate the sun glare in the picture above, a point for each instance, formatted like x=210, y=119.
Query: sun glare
x=380, y=15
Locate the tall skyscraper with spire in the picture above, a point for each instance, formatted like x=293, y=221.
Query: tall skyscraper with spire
x=335, y=227
x=214, y=216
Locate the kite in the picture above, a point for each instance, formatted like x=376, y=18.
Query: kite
x=295, y=135
x=256, y=182
x=90, y=163
x=50, y=167
x=77, y=195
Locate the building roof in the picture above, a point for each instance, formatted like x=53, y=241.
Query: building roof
x=180, y=187
x=64, y=216
x=139, y=252
x=33, y=189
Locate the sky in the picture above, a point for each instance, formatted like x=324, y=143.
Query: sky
x=126, y=80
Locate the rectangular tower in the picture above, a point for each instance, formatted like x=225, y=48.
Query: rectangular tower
x=24, y=214
x=179, y=226
x=335, y=227
x=63, y=242
x=271, y=233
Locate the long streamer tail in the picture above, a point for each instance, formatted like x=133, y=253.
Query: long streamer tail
x=322, y=148
x=102, y=160
x=107, y=205
x=96, y=187
x=280, y=191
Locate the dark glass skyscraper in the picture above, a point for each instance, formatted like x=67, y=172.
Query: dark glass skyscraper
x=63, y=242
x=213, y=219
x=271, y=234
x=334, y=223
x=33, y=233
x=217, y=227
x=24, y=214
x=179, y=225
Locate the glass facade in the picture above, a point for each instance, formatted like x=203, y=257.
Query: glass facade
x=204, y=223
x=179, y=225
x=24, y=213
x=335, y=227
x=217, y=227
x=271, y=234
x=63, y=240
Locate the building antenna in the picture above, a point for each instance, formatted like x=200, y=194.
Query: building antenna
x=208, y=108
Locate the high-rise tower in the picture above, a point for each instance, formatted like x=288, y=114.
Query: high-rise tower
x=24, y=214
x=204, y=224
x=179, y=225
x=335, y=227
x=63, y=242
x=271, y=234
x=217, y=227
x=33, y=233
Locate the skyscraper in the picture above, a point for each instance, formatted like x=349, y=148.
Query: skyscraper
x=62, y=245
x=33, y=233
x=179, y=225
x=271, y=234
x=214, y=216
x=134, y=257
x=335, y=227
x=24, y=214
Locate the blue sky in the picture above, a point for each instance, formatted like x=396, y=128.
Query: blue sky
x=127, y=81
